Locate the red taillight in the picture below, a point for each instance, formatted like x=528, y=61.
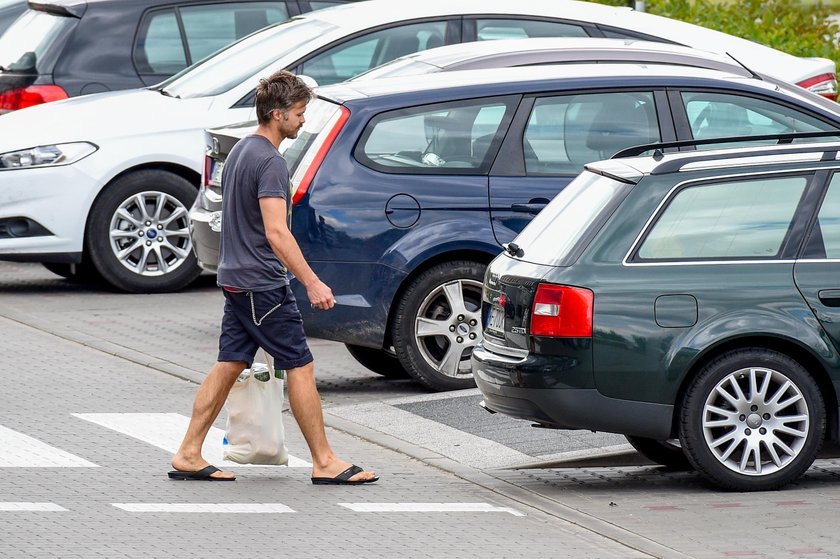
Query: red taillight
x=824, y=84
x=312, y=167
x=208, y=165
x=562, y=311
x=15, y=99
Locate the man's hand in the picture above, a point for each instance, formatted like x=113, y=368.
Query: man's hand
x=320, y=295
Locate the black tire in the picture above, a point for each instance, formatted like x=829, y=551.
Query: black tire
x=157, y=254
x=734, y=402
x=380, y=361
x=440, y=361
x=667, y=453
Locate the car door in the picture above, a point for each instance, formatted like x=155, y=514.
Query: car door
x=817, y=271
x=170, y=39
x=554, y=136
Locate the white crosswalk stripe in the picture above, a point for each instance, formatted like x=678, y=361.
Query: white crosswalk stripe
x=428, y=507
x=23, y=451
x=31, y=507
x=165, y=430
x=229, y=508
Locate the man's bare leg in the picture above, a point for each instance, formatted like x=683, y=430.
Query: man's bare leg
x=208, y=403
x=306, y=407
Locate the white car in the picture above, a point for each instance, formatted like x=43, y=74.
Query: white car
x=104, y=181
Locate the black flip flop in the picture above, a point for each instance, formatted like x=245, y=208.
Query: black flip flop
x=344, y=478
x=204, y=474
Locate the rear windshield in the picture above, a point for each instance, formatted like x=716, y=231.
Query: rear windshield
x=556, y=234
x=319, y=114
x=27, y=44
x=231, y=66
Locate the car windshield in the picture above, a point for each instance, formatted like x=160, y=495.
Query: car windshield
x=229, y=67
x=554, y=234
x=24, y=44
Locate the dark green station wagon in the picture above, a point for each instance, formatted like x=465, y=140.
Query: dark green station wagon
x=688, y=300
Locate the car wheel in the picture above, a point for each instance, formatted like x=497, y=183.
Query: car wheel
x=379, y=361
x=752, y=420
x=438, y=322
x=138, y=235
x=668, y=453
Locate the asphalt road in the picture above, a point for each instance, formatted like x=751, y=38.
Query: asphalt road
x=98, y=386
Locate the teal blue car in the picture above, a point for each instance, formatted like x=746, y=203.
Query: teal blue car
x=689, y=300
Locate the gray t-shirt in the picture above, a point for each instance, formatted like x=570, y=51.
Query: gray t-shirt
x=253, y=170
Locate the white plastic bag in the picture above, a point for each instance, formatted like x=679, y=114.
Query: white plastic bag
x=254, y=431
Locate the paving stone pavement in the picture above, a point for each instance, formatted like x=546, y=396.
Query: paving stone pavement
x=49, y=379
x=586, y=489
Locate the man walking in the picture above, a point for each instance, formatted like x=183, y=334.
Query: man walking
x=257, y=247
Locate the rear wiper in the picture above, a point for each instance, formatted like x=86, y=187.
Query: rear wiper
x=514, y=250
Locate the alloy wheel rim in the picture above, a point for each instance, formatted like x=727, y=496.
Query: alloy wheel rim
x=150, y=233
x=756, y=421
x=448, y=325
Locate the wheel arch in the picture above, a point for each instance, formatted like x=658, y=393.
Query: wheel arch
x=461, y=254
x=795, y=351
x=180, y=170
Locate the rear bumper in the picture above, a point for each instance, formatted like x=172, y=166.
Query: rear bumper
x=532, y=388
x=205, y=240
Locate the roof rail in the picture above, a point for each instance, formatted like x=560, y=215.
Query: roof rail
x=786, y=138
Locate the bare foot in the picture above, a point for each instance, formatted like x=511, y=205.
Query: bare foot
x=185, y=465
x=336, y=467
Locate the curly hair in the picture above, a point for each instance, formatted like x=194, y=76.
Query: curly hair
x=280, y=91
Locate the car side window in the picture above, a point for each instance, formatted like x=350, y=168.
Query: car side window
x=357, y=55
x=160, y=50
x=209, y=28
x=721, y=115
x=740, y=219
x=824, y=239
x=491, y=29
x=565, y=132
x=457, y=138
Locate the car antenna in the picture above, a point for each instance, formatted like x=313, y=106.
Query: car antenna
x=742, y=65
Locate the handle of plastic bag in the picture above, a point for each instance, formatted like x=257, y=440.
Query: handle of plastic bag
x=272, y=374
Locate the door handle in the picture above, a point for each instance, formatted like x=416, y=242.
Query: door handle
x=532, y=207
x=830, y=297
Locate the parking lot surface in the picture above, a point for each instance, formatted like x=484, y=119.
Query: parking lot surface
x=98, y=382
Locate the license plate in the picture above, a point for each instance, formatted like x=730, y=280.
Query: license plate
x=215, y=175
x=497, y=319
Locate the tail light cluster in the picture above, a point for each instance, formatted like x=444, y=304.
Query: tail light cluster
x=562, y=311
x=20, y=98
x=824, y=84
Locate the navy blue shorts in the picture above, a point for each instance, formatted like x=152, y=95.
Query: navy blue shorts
x=263, y=319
